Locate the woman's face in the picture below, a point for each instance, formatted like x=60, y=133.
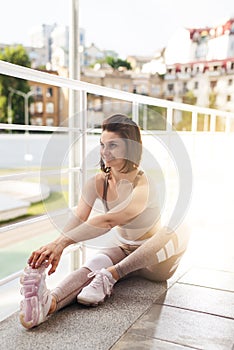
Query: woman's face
x=113, y=149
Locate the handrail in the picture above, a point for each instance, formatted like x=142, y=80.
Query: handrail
x=14, y=70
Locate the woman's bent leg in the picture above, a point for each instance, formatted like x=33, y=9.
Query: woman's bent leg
x=157, y=258
x=66, y=292
x=102, y=284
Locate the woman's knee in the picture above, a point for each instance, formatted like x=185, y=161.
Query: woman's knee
x=98, y=261
x=116, y=254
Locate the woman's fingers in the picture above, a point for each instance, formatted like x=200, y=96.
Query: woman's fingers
x=38, y=257
x=49, y=255
x=54, y=265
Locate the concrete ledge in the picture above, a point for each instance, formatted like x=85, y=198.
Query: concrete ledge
x=16, y=196
x=24, y=190
x=11, y=208
x=78, y=327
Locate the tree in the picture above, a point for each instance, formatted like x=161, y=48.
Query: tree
x=185, y=122
x=19, y=56
x=117, y=63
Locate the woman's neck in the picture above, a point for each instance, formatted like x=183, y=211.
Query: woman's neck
x=117, y=175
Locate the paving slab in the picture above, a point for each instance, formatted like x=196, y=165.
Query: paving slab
x=79, y=328
x=138, y=342
x=184, y=327
x=223, y=280
x=213, y=301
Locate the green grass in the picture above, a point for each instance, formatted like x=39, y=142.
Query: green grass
x=54, y=202
x=14, y=257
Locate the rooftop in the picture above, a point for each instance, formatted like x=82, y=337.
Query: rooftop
x=194, y=309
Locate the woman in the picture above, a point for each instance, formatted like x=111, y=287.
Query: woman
x=131, y=207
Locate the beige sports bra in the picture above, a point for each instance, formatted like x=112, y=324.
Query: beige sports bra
x=106, y=185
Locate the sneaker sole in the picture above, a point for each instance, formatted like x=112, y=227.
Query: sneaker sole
x=88, y=303
x=29, y=307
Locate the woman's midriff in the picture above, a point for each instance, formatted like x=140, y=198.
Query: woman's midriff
x=149, y=233
x=146, y=235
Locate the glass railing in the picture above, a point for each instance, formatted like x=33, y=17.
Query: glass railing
x=60, y=158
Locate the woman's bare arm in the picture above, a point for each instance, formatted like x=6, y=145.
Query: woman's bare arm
x=50, y=254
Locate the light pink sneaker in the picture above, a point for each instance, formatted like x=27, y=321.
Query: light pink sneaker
x=100, y=288
x=37, y=298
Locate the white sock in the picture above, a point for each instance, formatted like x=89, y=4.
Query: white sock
x=98, y=262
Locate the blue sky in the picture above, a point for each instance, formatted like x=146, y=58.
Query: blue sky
x=126, y=26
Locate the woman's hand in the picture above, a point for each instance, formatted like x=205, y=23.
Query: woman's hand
x=49, y=254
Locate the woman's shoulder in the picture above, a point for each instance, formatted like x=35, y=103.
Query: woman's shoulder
x=97, y=180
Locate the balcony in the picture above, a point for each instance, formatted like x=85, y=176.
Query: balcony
x=194, y=309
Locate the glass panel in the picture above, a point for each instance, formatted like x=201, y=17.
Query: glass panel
x=203, y=122
x=152, y=117
x=220, y=123
x=182, y=120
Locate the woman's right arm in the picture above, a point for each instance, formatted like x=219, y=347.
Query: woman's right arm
x=50, y=254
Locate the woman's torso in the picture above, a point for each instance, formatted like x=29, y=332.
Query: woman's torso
x=145, y=224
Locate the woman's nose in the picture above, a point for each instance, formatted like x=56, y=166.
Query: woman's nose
x=106, y=150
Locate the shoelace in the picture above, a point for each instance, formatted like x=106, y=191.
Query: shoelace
x=100, y=279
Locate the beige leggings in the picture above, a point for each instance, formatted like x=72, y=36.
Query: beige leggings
x=156, y=260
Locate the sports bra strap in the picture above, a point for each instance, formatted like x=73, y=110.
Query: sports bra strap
x=105, y=188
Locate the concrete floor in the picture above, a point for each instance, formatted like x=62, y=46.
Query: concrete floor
x=193, y=310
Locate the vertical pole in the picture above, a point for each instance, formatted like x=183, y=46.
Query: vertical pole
x=145, y=117
x=74, y=115
x=26, y=118
x=135, y=112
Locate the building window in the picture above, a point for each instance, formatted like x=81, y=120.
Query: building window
x=155, y=89
x=38, y=121
x=32, y=108
x=185, y=89
x=49, y=121
x=229, y=98
x=125, y=87
x=49, y=107
x=39, y=107
x=213, y=84
x=170, y=87
x=196, y=85
x=143, y=89
x=229, y=82
x=49, y=92
x=38, y=91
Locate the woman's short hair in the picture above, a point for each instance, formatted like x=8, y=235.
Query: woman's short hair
x=129, y=131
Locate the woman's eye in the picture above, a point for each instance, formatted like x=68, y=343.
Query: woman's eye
x=112, y=145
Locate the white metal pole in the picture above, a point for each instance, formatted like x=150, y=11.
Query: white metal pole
x=73, y=122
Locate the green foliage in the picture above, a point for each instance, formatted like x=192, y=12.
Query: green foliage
x=185, y=123
x=156, y=117
x=16, y=55
x=189, y=98
x=117, y=63
x=212, y=100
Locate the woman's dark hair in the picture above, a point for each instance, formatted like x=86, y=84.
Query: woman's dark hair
x=129, y=131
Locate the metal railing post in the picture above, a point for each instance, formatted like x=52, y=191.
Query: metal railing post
x=135, y=112
x=74, y=113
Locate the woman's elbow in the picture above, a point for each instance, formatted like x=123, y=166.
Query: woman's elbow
x=115, y=220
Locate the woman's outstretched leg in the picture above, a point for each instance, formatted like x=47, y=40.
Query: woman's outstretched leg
x=39, y=302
